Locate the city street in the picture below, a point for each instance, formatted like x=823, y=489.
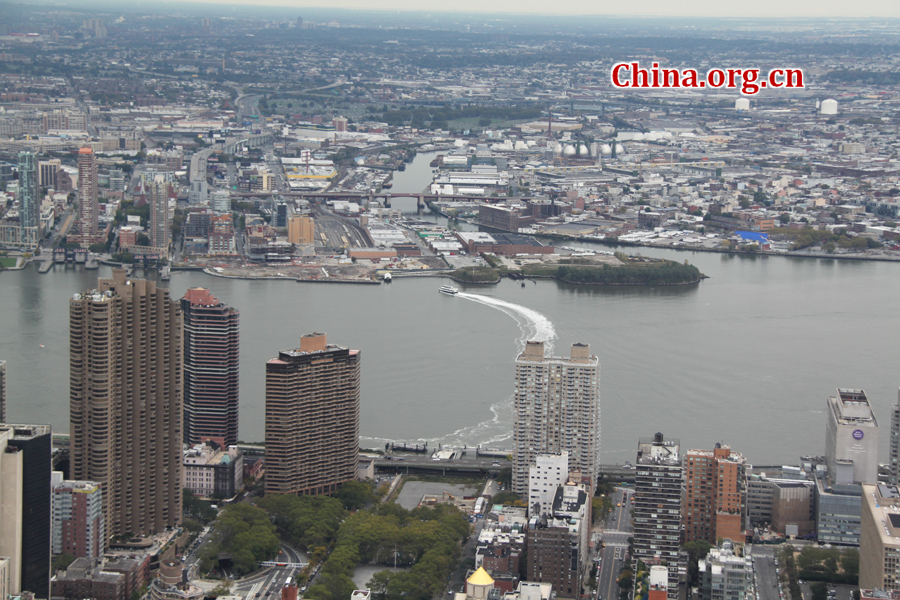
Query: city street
x=264, y=582
x=617, y=529
x=766, y=573
x=192, y=559
x=267, y=581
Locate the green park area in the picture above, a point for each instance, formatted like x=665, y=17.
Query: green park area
x=627, y=270
x=341, y=532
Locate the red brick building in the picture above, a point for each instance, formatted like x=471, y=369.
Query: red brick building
x=714, y=482
x=78, y=525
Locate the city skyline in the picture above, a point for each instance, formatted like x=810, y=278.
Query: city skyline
x=496, y=214
x=653, y=8
x=105, y=120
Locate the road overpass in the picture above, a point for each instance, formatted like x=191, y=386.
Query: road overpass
x=251, y=141
x=385, y=197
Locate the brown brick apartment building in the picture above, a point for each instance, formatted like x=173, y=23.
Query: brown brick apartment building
x=715, y=489
x=312, y=417
x=125, y=404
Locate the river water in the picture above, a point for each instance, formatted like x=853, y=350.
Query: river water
x=746, y=357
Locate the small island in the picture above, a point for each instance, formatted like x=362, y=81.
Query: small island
x=593, y=269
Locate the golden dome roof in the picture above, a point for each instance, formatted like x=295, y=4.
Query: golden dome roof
x=480, y=577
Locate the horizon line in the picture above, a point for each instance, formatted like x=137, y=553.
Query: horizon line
x=795, y=13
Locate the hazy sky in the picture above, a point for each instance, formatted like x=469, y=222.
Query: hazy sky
x=678, y=8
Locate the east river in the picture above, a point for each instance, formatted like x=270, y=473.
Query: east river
x=746, y=357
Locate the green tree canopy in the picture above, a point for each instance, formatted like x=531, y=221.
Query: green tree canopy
x=310, y=520
x=195, y=508
x=696, y=550
x=247, y=534
x=819, y=590
x=355, y=494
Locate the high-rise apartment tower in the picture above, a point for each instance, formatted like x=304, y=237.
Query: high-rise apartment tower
x=159, y=213
x=2, y=391
x=715, y=495
x=211, y=368
x=29, y=194
x=557, y=404
x=312, y=417
x=125, y=415
x=88, y=210
x=659, y=478
x=895, y=442
x=78, y=526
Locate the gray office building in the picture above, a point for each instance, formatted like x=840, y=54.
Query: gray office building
x=851, y=438
x=838, y=508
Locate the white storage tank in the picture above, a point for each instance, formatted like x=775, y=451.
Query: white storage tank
x=829, y=107
x=742, y=104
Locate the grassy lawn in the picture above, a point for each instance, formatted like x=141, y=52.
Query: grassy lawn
x=8, y=262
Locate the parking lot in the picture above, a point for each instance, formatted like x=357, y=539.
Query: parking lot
x=835, y=592
x=412, y=492
x=460, y=262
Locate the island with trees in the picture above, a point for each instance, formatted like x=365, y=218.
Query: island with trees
x=602, y=269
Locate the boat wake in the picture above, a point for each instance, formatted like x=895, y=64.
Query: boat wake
x=534, y=325
x=492, y=431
